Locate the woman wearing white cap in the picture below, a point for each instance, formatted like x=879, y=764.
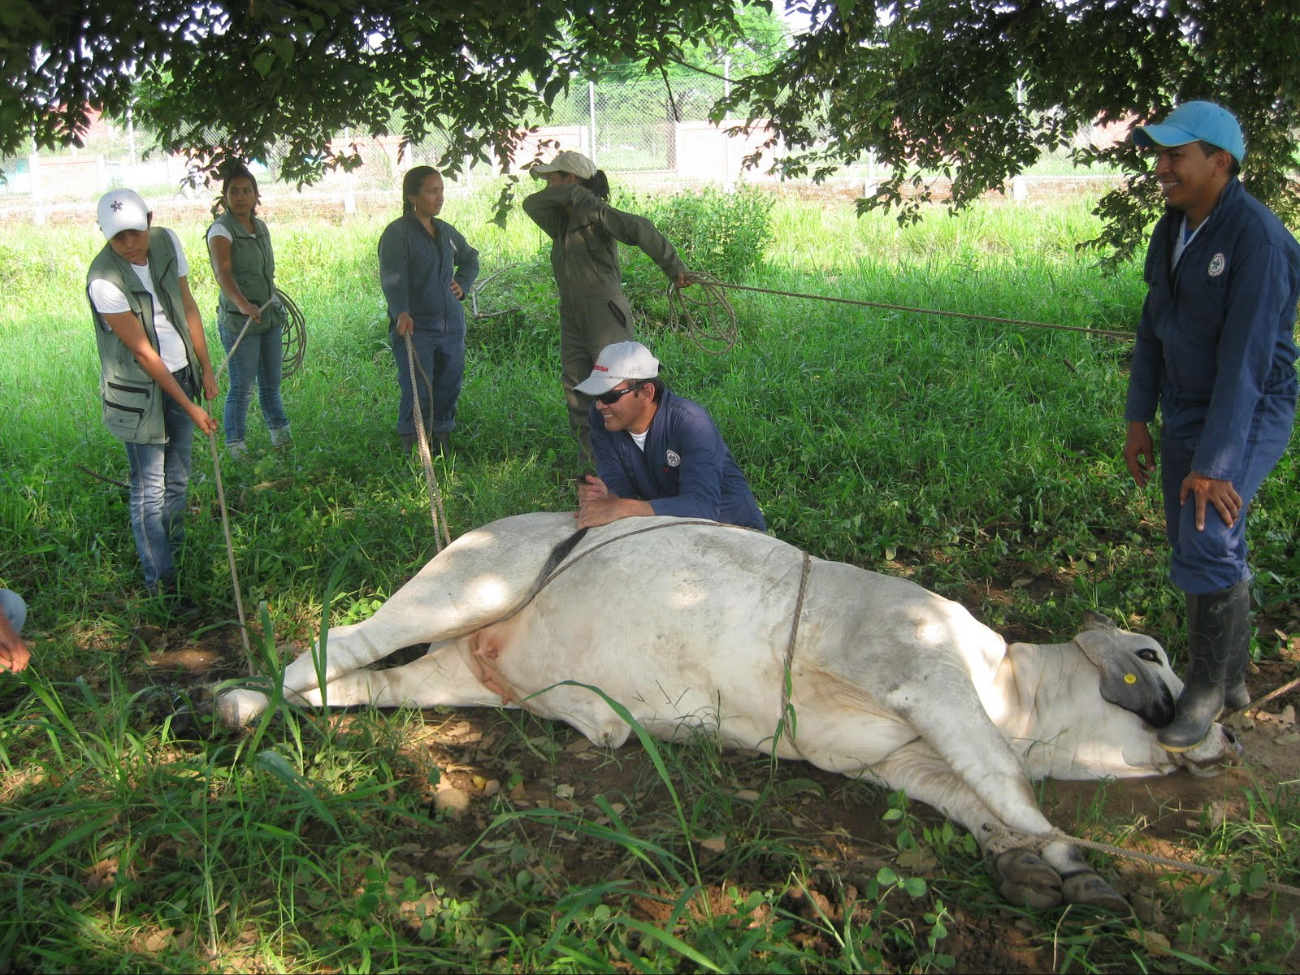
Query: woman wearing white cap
x=585, y=232
x=153, y=361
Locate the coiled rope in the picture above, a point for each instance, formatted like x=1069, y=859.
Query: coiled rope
x=710, y=318
x=294, y=335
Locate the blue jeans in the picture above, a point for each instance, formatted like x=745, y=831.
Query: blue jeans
x=160, y=475
x=13, y=607
x=259, y=359
x=1216, y=558
x=442, y=357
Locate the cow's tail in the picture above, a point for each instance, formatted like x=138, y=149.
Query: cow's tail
x=559, y=553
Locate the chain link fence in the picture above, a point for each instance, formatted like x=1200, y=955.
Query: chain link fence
x=651, y=129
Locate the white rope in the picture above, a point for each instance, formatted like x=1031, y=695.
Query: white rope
x=440, y=534
x=221, y=501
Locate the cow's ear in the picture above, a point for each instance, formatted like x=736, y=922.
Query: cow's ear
x=1093, y=620
x=1127, y=681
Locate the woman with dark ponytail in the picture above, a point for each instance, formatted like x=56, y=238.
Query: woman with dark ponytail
x=585, y=230
x=239, y=246
x=426, y=268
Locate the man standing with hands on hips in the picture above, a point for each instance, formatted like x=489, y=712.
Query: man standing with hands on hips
x=1215, y=350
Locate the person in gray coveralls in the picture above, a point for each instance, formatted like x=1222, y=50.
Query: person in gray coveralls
x=585, y=232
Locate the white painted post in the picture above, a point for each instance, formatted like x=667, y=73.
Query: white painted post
x=1019, y=189
x=33, y=170
x=591, y=110
x=130, y=141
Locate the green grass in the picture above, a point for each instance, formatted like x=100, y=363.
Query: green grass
x=980, y=459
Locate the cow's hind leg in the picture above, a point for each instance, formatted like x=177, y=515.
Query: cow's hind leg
x=439, y=677
x=1033, y=865
x=347, y=649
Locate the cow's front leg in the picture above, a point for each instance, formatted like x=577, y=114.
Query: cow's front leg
x=1036, y=868
x=1022, y=877
x=958, y=729
x=1022, y=865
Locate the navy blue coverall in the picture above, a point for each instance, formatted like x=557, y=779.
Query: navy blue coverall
x=686, y=469
x=1215, y=349
x=416, y=269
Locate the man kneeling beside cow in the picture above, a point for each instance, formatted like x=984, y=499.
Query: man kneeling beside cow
x=693, y=623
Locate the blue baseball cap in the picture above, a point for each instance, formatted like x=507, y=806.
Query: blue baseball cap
x=1192, y=122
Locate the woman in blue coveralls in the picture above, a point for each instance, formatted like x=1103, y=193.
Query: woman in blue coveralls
x=425, y=268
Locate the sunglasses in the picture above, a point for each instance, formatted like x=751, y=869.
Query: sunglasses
x=614, y=395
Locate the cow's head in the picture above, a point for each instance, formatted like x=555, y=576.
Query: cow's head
x=1135, y=675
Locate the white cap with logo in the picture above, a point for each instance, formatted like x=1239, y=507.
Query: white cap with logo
x=122, y=210
x=616, y=363
x=567, y=162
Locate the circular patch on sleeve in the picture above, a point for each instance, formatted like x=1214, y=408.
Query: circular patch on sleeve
x=1217, y=264
x=674, y=459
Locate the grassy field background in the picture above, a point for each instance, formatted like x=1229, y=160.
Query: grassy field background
x=982, y=460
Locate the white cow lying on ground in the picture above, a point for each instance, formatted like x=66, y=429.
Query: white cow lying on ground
x=690, y=623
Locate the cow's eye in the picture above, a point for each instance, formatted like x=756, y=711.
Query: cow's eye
x=1149, y=655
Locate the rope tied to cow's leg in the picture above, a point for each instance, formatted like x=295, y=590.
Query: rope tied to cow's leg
x=440, y=533
x=1214, y=873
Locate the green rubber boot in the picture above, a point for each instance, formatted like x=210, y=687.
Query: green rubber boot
x=1216, y=625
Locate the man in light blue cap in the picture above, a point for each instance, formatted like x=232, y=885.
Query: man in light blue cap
x=1215, y=351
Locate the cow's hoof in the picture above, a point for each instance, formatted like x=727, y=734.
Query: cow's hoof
x=237, y=708
x=1086, y=887
x=1026, y=879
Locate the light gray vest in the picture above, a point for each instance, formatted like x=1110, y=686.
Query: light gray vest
x=133, y=403
x=252, y=263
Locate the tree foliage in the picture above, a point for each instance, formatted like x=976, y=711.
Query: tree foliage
x=219, y=78
x=974, y=89
x=978, y=89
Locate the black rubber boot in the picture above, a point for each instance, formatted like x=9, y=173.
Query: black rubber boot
x=441, y=443
x=1214, y=624
x=1235, y=695
x=408, y=441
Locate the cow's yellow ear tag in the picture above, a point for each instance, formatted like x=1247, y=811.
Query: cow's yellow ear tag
x=1130, y=678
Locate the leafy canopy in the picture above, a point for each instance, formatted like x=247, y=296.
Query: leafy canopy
x=220, y=78
x=978, y=89
x=974, y=89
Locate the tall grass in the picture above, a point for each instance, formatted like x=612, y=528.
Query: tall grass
x=980, y=459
